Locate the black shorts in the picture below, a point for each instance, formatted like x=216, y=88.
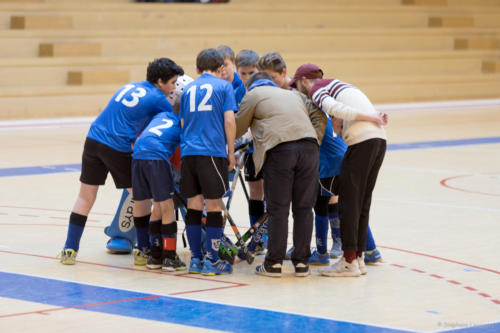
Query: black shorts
x=99, y=159
x=328, y=186
x=250, y=169
x=152, y=179
x=205, y=175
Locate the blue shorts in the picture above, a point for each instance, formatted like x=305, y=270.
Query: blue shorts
x=152, y=179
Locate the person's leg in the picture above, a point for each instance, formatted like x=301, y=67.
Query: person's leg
x=213, y=228
x=193, y=225
x=305, y=188
x=256, y=202
x=375, y=151
x=321, y=256
x=171, y=261
x=154, y=260
x=333, y=217
x=78, y=218
x=278, y=176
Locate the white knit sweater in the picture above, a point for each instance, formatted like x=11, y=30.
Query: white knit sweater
x=345, y=102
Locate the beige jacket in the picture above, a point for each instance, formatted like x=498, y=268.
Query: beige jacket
x=274, y=116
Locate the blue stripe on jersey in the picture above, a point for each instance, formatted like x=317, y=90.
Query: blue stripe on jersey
x=160, y=138
x=203, y=104
x=331, y=153
x=127, y=113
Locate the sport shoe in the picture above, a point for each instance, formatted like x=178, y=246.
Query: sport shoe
x=68, y=256
x=342, y=268
x=268, y=270
x=172, y=265
x=153, y=263
x=141, y=257
x=361, y=264
x=195, y=266
x=260, y=249
x=336, y=250
x=219, y=267
x=288, y=255
x=302, y=270
x=319, y=259
x=372, y=257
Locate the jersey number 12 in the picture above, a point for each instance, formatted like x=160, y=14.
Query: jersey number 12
x=203, y=106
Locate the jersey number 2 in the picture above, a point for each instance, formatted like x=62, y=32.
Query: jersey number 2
x=203, y=106
x=156, y=129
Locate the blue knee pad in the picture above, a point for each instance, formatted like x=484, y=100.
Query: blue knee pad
x=122, y=230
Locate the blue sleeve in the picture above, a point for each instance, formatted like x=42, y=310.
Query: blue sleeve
x=229, y=99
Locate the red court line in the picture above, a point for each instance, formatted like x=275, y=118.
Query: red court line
x=77, y=306
x=440, y=258
x=450, y=281
x=184, y=275
x=445, y=184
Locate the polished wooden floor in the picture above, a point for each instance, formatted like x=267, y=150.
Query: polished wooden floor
x=435, y=217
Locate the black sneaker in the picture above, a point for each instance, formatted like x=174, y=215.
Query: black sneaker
x=153, y=263
x=268, y=270
x=172, y=265
x=302, y=269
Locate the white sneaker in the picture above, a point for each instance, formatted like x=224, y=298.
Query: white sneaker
x=361, y=264
x=342, y=268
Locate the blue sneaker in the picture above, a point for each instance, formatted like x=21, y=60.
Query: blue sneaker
x=195, y=266
x=319, y=259
x=216, y=268
x=372, y=257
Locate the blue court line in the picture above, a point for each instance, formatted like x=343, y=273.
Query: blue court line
x=169, y=309
x=48, y=169
x=442, y=143
x=39, y=170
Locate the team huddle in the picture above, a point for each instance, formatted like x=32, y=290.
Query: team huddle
x=316, y=146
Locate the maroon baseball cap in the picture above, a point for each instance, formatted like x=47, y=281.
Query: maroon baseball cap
x=318, y=85
x=309, y=71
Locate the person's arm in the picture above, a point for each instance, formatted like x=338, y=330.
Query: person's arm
x=230, y=129
x=245, y=115
x=339, y=110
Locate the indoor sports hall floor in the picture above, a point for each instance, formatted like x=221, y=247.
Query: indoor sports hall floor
x=435, y=217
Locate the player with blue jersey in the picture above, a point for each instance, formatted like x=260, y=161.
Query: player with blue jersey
x=230, y=74
x=207, y=152
x=152, y=179
x=108, y=146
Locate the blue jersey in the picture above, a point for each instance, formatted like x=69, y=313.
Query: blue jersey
x=127, y=113
x=331, y=153
x=239, y=89
x=203, y=104
x=160, y=138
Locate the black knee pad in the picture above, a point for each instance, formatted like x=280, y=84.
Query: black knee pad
x=193, y=217
x=214, y=219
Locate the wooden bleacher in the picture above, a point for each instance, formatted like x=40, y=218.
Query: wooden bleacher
x=64, y=58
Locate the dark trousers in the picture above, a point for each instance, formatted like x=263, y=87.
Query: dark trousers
x=357, y=179
x=291, y=176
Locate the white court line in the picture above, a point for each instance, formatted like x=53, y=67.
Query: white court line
x=436, y=204
x=431, y=170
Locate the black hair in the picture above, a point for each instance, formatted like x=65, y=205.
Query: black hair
x=247, y=58
x=209, y=60
x=257, y=76
x=164, y=69
x=226, y=52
